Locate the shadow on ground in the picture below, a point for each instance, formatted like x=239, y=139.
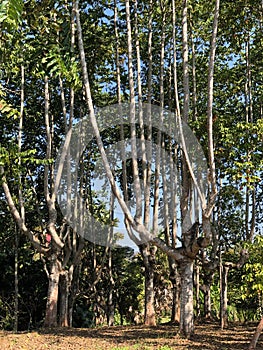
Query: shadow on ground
x=207, y=337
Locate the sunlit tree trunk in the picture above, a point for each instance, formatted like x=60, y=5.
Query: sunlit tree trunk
x=20, y=196
x=187, y=299
x=16, y=280
x=110, y=302
x=147, y=251
x=110, y=306
x=249, y=193
x=51, y=315
x=176, y=287
x=194, y=94
x=55, y=268
x=149, y=294
x=197, y=290
x=174, y=268
x=223, y=296
x=186, y=265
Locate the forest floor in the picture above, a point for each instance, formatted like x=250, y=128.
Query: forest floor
x=163, y=337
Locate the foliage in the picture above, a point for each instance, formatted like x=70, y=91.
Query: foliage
x=11, y=13
x=252, y=277
x=31, y=279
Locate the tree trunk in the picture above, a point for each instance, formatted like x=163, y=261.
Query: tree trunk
x=73, y=293
x=186, y=306
x=197, y=289
x=20, y=196
x=253, y=343
x=175, y=317
x=223, y=296
x=176, y=281
x=206, y=287
x=110, y=311
x=16, y=279
x=52, y=295
x=149, y=316
x=121, y=316
x=149, y=299
x=207, y=302
x=64, y=299
x=110, y=308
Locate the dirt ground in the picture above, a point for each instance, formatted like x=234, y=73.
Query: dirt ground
x=207, y=337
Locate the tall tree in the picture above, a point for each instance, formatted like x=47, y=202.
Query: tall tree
x=192, y=243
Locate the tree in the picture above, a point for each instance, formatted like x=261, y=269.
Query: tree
x=192, y=244
x=58, y=245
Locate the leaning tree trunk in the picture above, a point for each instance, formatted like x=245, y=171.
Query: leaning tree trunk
x=253, y=343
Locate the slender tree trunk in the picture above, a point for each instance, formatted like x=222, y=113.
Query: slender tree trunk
x=20, y=196
x=148, y=252
x=185, y=62
x=73, y=292
x=16, y=279
x=187, y=305
x=175, y=271
x=197, y=290
x=223, y=296
x=176, y=95
x=186, y=266
x=207, y=301
x=147, y=192
x=176, y=287
x=135, y=170
x=250, y=194
x=54, y=270
x=194, y=101
x=210, y=94
x=110, y=308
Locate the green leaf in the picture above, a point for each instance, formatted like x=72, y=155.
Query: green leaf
x=11, y=13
